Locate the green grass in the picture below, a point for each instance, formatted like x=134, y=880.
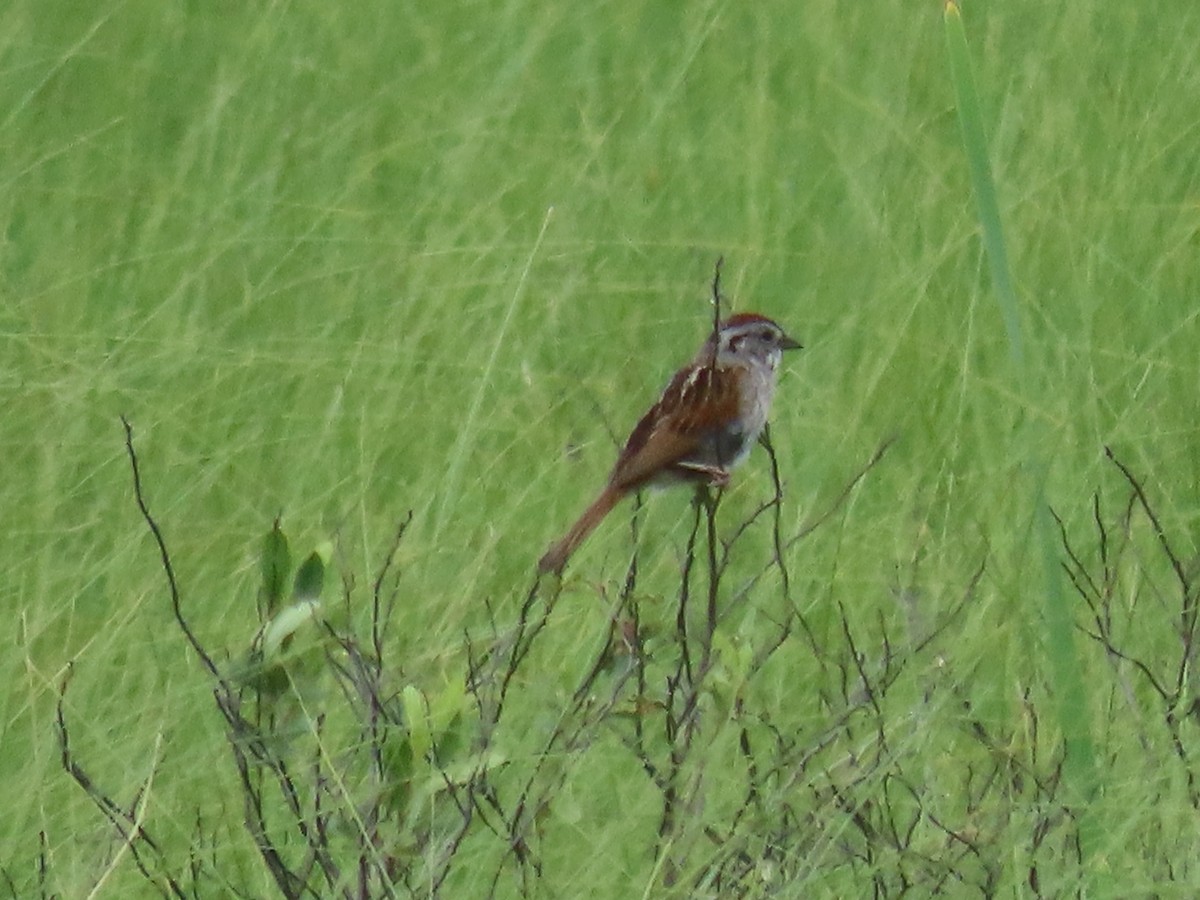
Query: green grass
x=311, y=255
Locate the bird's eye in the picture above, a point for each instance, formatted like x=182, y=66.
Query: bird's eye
x=767, y=335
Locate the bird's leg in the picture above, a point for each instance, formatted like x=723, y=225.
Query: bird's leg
x=710, y=476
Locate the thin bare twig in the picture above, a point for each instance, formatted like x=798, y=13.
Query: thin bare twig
x=168, y=569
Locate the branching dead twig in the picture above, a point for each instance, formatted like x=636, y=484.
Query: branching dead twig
x=1189, y=608
x=145, y=851
x=716, y=299
x=667, y=701
x=1169, y=680
x=816, y=522
x=777, y=506
x=243, y=737
x=165, y=557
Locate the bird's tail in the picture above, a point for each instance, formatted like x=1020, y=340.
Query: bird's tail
x=555, y=559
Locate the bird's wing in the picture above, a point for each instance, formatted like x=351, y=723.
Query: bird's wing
x=698, y=402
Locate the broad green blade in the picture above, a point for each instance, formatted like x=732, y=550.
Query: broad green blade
x=1062, y=660
x=276, y=564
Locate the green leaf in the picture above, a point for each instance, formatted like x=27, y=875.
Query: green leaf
x=417, y=720
x=448, y=704
x=451, y=739
x=398, y=767
x=269, y=680
x=463, y=770
x=310, y=578
x=279, y=631
x=276, y=561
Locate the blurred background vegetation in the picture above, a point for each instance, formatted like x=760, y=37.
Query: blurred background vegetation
x=342, y=262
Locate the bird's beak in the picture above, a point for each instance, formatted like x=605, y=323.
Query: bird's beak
x=789, y=343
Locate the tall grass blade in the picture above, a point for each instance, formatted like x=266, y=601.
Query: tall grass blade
x=1062, y=660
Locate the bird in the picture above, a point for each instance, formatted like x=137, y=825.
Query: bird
x=704, y=424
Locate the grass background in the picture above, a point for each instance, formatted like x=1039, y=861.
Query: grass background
x=337, y=264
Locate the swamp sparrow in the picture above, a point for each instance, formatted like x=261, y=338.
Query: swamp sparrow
x=702, y=426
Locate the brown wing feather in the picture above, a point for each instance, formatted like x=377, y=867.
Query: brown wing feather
x=695, y=405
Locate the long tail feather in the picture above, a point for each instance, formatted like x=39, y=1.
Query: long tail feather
x=555, y=559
